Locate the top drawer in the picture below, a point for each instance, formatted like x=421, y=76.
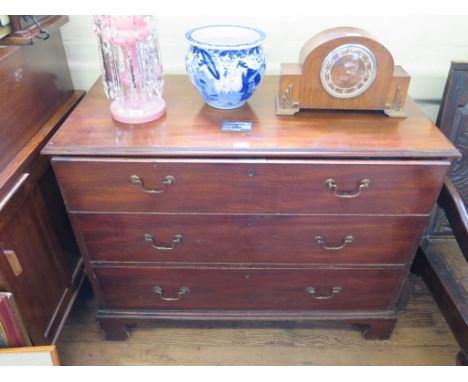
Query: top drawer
x=250, y=186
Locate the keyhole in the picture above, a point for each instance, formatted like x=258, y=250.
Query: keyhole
x=249, y=222
x=250, y=172
x=247, y=275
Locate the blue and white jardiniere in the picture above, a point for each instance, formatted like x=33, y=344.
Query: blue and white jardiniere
x=225, y=63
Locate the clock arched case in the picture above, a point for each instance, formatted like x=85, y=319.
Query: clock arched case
x=343, y=68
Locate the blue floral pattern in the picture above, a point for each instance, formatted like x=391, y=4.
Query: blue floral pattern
x=225, y=78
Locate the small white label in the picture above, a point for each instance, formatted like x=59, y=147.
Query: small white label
x=240, y=145
x=353, y=34
x=236, y=126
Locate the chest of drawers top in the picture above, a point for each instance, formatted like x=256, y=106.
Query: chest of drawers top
x=193, y=129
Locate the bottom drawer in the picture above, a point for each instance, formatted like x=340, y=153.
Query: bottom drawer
x=247, y=288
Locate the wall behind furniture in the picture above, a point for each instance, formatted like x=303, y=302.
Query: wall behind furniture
x=423, y=45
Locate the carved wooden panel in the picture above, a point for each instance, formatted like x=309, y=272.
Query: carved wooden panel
x=459, y=170
x=453, y=121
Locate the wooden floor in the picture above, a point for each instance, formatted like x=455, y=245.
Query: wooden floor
x=421, y=337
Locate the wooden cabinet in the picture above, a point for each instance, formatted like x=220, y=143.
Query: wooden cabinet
x=311, y=217
x=39, y=256
x=442, y=261
x=39, y=260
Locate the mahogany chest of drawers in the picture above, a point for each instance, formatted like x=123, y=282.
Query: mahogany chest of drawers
x=311, y=217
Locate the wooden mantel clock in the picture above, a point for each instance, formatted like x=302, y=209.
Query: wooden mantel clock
x=343, y=68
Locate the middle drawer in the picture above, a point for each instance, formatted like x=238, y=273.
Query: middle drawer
x=320, y=239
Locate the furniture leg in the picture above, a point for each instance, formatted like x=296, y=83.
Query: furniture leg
x=379, y=329
x=462, y=360
x=405, y=294
x=115, y=330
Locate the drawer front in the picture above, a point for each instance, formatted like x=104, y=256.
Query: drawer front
x=230, y=186
x=247, y=288
x=322, y=239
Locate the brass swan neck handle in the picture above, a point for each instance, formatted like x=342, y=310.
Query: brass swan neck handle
x=138, y=181
x=362, y=185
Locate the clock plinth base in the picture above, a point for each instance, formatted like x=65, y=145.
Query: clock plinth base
x=399, y=113
x=282, y=109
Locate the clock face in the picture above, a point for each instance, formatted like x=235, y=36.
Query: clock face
x=348, y=71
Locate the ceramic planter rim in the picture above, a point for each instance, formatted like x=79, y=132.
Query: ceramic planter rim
x=204, y=45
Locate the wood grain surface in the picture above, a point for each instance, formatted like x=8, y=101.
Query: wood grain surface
x=30, y=151
x=191, y=128
x=35, y=79
x=444, y=269
x=313, y=54
x=250, y=186
x=247, y=288
x=250, y=238
x=39, y=262
x=38, y=234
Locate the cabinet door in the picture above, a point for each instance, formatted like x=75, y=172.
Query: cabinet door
x=37, y=258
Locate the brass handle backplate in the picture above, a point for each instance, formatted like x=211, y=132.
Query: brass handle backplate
x=321, y=242
x=176, y=240
x=334, y=292
x=138, y=181
x=363, y=184
x=160, y=291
